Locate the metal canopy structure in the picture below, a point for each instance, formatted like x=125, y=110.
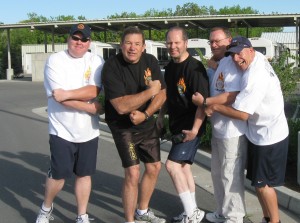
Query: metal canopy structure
x=161, y=23
x=203, y=22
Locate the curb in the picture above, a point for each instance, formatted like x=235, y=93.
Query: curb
x=287, y=198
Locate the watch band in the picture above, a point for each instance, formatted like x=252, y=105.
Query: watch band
x=146, y=115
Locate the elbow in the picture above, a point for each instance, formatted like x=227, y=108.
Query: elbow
x=121, y=110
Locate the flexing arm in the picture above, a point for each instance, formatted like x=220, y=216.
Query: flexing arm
x=85, y=93
x=92, y=108
x=129, y=103
x=137, y=117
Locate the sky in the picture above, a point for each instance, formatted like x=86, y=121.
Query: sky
x=14, y=11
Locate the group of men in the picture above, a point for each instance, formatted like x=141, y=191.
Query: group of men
x=243, y=88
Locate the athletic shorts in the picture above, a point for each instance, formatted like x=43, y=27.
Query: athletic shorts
x=134, y=147
x=267, y=164
x=68, y=158
x=184, y=152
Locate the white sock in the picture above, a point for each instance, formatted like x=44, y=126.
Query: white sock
x=141, y=212
x=188, y=203
x=193, y=195
x=45, y=208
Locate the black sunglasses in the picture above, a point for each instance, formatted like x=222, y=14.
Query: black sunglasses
x=84, y=40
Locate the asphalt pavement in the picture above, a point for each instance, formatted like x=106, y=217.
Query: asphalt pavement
x=24, y=159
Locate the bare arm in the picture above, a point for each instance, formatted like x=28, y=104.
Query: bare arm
x=226, y=98
x=85, y=93
x=137, y=117
x=227, y=111
x=129, y=103
x=199, y=118
x=92, y=108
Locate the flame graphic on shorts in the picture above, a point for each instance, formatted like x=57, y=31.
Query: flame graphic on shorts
x=132, y=153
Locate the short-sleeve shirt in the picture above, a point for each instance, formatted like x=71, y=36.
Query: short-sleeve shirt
x=66, y=72
x=262, y=98
x=227, y=78
x=121, y=78
x=183, y=80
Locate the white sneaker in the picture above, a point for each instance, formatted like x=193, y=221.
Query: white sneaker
x=83, y=219
x=178, y=218
x=195, y=218
x=148, y=217
x=215, y=217
x=44, y=216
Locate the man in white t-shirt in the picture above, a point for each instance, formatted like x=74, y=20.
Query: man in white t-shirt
x=261, y=103
x=72, y=81
x=228, y=143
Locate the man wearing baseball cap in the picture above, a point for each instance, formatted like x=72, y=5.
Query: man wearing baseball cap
x=260, y=103
x=85, y=30
x=72, y=82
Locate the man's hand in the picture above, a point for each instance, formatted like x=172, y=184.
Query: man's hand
x=210, y=110
x=155, y=86
x=137, y=117
x=189, y=135
x=60, y=95
x=198, y=99
x=98, y=107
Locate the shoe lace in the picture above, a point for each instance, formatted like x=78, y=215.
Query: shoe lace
x=43, y=215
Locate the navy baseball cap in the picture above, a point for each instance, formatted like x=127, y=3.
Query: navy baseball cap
x=237, y=45
x=84, y=29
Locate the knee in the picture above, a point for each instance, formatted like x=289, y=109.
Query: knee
x=171, y=167
x=132, y=173
x=153, y=168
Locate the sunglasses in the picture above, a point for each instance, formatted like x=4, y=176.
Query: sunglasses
x=237, y=44
x=84, y=40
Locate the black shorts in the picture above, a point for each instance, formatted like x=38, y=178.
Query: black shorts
x=184, y=152
x=134, y=147
x=267, y=164
x=68, y=158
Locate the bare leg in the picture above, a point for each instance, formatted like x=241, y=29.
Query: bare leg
x=82, y=192
x=187, y=171
x=148, y=183
x=130, y=191
x=269, y=202
x=52, y=188
x=178, y=176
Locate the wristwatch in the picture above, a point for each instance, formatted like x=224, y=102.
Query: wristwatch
x=204, y=103
x=146, y=115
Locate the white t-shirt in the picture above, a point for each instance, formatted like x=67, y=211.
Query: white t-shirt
x=66, y=72
x=262, y=98
x=226, y=79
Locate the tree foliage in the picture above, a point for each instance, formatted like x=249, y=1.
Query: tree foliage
x=26, y=36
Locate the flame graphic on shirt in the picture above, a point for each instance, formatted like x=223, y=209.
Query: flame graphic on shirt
x=220, y=82
x=181, y=86
x=147, y=76
x=87, y=74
